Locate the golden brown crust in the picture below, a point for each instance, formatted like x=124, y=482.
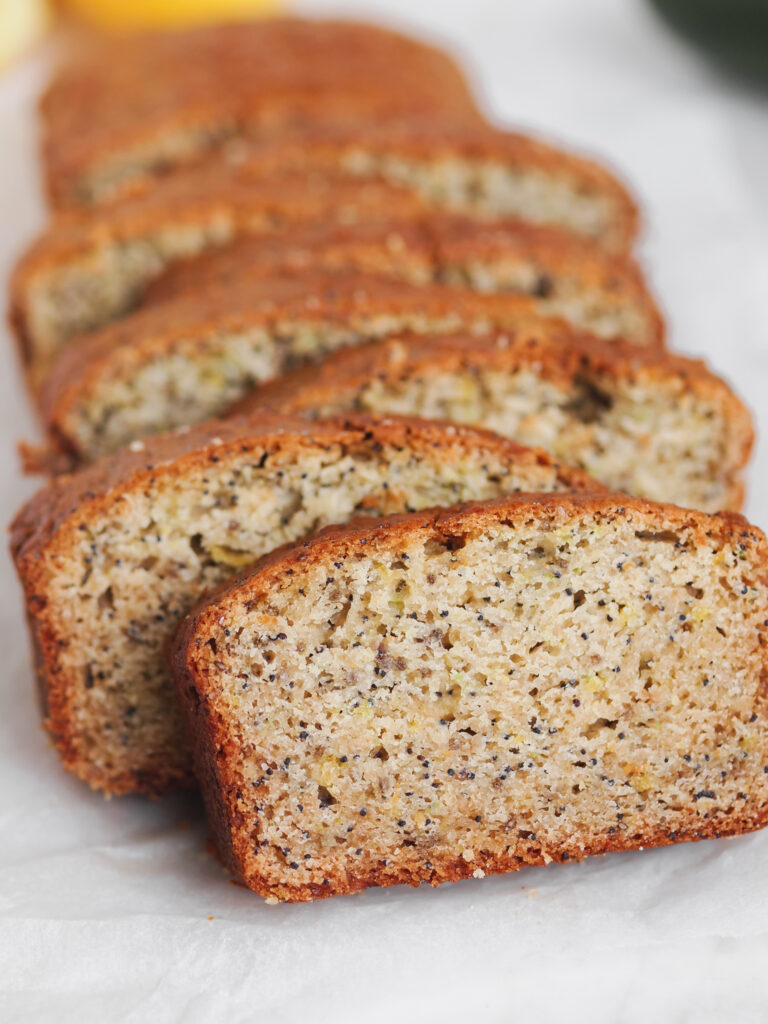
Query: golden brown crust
x=444, y=868
x=212, y=740
x=45, y=527
x=113, y=99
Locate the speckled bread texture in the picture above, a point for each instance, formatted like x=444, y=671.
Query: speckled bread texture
x=112, y=557
x=131, y=108
x=594, y=290
x=90, y=268
x=448, y=695
x=184, y=361
x=648, y=423
x=481, y=171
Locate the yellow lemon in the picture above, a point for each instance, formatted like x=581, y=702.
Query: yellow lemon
x=128, y=14
x=22, y=22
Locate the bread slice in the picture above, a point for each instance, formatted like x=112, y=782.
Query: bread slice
x=567, y=276
x=126, y=109
x=184, y=361
x=648, y=423
x=112, y=557
x=447, y=695
x=472, y=170
x=90, y=268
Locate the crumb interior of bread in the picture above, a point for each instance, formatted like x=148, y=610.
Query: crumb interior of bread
x=201, y=376
x=490, y=188
x=89, y=292
x=608, y=309
x=644, y=437
x=128, y=575
x=516, y=691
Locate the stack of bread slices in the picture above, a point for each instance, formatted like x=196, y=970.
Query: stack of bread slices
x=376, y=505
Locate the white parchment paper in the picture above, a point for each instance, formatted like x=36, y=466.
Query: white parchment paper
x=112, y=911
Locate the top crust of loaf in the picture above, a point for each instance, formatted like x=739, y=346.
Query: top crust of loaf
x=74, y=494
x=104, y=102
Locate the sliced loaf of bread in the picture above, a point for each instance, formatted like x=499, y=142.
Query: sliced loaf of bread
x=112, y=557
x=443, y=696
x=568, y=277
x=648, y=423
x=89, y=268
x=186, y=360
x=126, y=109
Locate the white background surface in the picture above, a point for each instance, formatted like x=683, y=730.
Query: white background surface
x=111, y=911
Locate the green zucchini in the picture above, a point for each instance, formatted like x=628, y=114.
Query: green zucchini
x=734, y=32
